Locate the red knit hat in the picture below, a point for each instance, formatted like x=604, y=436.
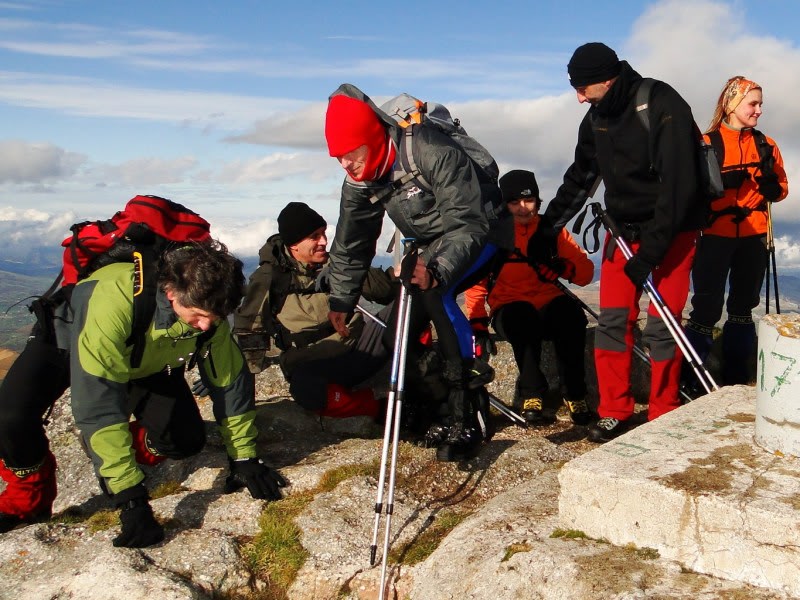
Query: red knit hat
x=350, y=123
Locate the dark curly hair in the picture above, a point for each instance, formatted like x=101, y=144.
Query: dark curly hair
x=203, y=275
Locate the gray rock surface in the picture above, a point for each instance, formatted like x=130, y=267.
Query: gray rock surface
x=501, y=548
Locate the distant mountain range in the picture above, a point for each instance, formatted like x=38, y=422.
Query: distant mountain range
x=16, y=291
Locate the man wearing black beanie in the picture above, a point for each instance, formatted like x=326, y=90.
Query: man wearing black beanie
x=657, y=205
x=287, y=302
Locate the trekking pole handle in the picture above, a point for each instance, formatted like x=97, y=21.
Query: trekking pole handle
x=611, y=225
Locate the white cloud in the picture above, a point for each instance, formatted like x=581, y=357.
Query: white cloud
x=697, y=46
x=300, y=127
x=31, y=162
x=787, y=251
x=529, y=120
x=144, y=171
x=77, y=40
x=94, y=98
x=23, y=231
x=272, y=167
x=245, y=239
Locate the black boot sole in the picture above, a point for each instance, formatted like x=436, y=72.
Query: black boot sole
x=11, y=522
x=456, y=452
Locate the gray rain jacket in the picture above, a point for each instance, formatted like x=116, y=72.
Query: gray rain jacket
x=449, y=225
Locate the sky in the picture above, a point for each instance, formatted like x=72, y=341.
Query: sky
x=220, y=105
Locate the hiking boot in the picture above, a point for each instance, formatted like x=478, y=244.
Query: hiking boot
x=579, y=412
x=533, y=414
x=9, y=522
x=691, y=390
x=29, y=493
x=462, y=443
x=606, y=429
x=435, y=436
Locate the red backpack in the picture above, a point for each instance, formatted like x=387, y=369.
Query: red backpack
x=139, y=233
x=146, y=222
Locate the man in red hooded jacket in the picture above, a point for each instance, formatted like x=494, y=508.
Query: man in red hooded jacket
x=447, y=222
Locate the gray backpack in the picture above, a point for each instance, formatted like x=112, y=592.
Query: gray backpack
x=409, y=112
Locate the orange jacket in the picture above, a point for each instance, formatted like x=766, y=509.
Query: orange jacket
x=518, y=281
x=741, y=149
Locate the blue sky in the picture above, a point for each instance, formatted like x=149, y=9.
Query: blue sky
x=220, y=105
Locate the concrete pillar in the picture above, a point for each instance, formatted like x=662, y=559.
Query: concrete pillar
x=777, y=427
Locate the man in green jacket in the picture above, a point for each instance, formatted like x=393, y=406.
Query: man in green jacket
x=198, y=285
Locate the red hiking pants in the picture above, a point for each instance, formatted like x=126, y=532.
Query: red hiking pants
x=619, y=310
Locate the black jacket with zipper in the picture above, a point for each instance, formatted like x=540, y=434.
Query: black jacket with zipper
x=614, y=145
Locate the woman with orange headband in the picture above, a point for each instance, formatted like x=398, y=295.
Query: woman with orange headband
x=733, y=246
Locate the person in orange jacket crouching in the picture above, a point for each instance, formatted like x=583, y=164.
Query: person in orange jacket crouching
x=527, y=305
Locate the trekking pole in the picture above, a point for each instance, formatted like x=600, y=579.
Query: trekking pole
x=661, y=307
x=641, y=354
x=767, y=279
x=370, y=316
x=391, y=433
x=771, y=251
x=503, y=409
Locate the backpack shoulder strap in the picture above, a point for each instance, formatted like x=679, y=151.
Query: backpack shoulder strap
x=145, y=281
x=643, y=112
x=409, y=171
x=407, y=158
x=643, y=101
x=765, y=149
x=719, y=147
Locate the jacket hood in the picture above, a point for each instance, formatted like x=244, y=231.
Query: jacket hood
x=351, y=91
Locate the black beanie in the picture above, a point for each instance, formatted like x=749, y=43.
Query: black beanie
x=297, y=221
x=518, y=184
x=592, y=63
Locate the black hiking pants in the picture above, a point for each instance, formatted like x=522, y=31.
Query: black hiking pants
x=38, y=377
x=561, y=321
x=165, y=406
x=309, y=380
x=741, y=262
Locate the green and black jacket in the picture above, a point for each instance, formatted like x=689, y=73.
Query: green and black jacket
x=101, y=373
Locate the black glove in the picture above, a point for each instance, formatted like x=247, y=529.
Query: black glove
x=199, y=388
x=638, y=270
x=262, y=482
x=322, y=283
x=484, y=344
x=769, y=187
x=542, y=245
x=139, y=527
x=555, y=268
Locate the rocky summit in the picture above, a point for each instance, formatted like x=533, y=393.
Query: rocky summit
x=486, y=528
